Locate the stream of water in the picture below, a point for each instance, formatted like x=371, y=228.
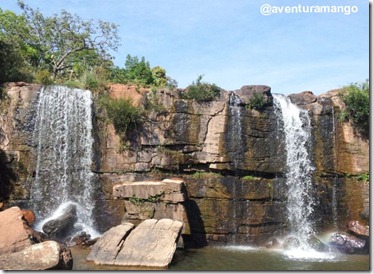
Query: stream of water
x=300, y=199
x=63, y=136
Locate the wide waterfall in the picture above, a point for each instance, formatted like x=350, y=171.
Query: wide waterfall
x=300, y=201
x=63, y=137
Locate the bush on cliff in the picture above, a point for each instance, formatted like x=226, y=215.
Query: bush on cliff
x=356, y=98
x=123, y=114
x=201, y=91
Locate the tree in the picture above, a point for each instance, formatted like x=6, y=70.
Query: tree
x=159, y=76
x=14, y=53
x=62, y=40
x=138, y=71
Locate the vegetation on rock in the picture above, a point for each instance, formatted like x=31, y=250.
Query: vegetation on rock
x=201, y=91
x=122, y=113
x=356, y=98
x=257, y=101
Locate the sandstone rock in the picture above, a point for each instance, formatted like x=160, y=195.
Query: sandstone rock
x=166, y=190
x=128, y=92
x=61, y=227
x=303, y=98
x=15, y=235
x=105, y=250
x=347, y=243
x=43, y=256
x=247, y=91
x=358, y=229
x=150, y=244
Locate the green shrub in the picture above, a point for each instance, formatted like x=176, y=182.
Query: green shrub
x=43, y=77
x=123, y=114
x=257, y=101
x=356, y=99
x=201, y=91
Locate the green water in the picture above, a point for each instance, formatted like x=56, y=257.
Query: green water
x=244, y=259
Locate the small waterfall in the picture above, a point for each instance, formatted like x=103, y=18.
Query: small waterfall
x=335, y=204
x=297, y=129
x=236, y=147
x=63, y=137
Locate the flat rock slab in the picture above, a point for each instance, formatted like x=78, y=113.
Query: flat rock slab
x=42, y=256
x=105, y=250
x=151, y=244
x=168, y=190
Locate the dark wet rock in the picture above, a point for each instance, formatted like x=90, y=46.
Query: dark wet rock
x=62, y=226
x=43, y=256
x=347, y=243
x=317, y=245
x=291, y=242
x=365, y=214
x=81, y=239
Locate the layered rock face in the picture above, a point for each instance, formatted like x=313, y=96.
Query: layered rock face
x=230, y=158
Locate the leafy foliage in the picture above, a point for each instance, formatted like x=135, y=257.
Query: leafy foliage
x=122, y=113
x=356, y=99
x=201, y=91
x=257, y=101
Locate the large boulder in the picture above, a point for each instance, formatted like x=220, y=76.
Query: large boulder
x=150, y=244
x=15, y=234
x=303, y=98
x=62, y=226
x=43, y=256
x=105, y=250
x=346, y=243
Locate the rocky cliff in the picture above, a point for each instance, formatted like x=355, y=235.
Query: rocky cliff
x=231, y=159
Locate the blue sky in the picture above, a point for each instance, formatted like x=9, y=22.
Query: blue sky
x=231, y=43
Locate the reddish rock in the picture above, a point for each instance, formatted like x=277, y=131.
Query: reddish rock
x=303, y=98
x=358, y=229
x=347, y=243
x=127, y=92
x=29, y=216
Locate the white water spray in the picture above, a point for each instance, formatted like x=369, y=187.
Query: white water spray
x=297, y=129
x=63, y=136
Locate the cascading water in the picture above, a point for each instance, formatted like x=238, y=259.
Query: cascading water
x=236, y=146
x=235, y=149
x=63, y=136
x=300, y=202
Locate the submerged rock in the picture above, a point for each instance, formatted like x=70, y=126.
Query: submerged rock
x=272, y=243
x=317, y=245
x=62, y=226
x=291, y=242
x=43, y=256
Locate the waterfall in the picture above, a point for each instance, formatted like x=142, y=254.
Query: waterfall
x=63, y=137
x=236, y=146
x=300, y=201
